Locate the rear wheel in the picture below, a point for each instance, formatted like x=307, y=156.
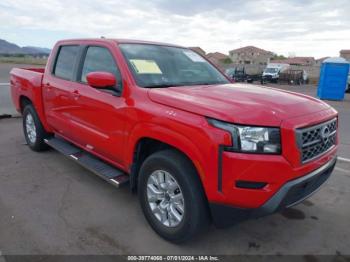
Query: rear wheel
x=172, y=197
x=34, y=132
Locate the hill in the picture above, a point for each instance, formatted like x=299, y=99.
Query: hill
x=7, y=48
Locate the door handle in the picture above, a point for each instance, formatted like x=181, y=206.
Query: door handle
x=48, y=86
x=76, y=94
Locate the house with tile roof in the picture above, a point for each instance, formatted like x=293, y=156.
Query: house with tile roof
x=217, y=58
x=250, y=55
x=345, y=54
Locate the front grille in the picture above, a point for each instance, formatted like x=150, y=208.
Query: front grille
x=316, y=140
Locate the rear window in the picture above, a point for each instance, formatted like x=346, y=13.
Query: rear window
x=65, y=62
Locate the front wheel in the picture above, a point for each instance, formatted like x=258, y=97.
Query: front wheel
x=171, y=196
x=34, y=132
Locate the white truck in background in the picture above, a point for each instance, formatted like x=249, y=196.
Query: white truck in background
x=272, y=72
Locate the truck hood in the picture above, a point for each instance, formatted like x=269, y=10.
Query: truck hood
x=238, y=103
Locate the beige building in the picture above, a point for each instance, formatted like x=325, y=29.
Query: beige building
x=250, y=55
x=345, y=54
x=217, y=58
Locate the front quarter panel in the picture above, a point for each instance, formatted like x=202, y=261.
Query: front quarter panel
x=187, y=132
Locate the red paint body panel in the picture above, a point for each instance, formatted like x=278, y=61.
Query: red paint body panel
x=28, y=83
x=111, y=126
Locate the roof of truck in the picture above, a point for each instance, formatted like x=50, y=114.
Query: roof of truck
x=118, y=41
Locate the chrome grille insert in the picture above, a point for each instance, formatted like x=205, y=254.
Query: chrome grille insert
x=316, y=140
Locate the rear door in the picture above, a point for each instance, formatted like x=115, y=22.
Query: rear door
x=99, y=115
x=58, y=88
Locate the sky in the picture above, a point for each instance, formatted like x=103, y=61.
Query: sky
x=291, y=27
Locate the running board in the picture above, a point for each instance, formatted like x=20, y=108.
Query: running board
x=99, y=167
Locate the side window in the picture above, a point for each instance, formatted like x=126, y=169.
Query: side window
x=100, y=59
x=65, y=61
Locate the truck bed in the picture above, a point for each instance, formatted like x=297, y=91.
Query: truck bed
x=26, y=82
x=28, y=73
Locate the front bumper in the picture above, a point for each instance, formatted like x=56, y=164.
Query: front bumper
x=290, y=194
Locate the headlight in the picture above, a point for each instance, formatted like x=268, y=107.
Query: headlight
x=251, y=139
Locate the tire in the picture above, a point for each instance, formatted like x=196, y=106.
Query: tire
x=34, y=131
x=195, y=216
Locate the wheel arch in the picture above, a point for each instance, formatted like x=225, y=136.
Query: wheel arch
x=36, y=101
x=23, y=102
x=149, y=139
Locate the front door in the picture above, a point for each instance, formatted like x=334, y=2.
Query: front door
x=99, y=115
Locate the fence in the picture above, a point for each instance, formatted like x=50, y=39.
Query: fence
x=312, y=71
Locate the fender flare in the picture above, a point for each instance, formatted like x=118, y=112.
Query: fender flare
x=167, y=136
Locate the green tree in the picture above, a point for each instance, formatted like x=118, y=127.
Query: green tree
x=278, y=57
x=227, y=61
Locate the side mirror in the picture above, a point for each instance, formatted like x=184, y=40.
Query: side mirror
x=101, y=79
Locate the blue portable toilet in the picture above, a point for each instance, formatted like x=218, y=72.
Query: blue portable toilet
x=333, y=79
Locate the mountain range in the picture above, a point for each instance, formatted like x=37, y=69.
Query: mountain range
x=10, y=48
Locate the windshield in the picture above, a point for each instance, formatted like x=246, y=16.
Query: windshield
x=164, y=66
x=271, y=70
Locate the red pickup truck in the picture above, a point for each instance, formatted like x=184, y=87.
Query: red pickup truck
x=196, y=148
